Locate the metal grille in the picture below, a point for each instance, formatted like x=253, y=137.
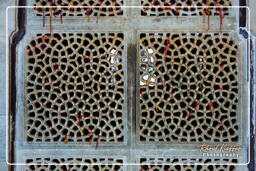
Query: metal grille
x=75, y=88
x=114, y=8
x=108, y=164
x=183, y=7
x=157, y=166
x=188, y=87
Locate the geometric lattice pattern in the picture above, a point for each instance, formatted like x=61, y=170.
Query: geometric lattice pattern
x=159, y=164
x=188, y=87
x=100, y=7
x=105, y=164
x=75, y=88
x=166, y=7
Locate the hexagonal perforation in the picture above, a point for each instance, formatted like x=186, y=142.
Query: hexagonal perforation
x=168, y=9
x=74, y=88
x=188, y=87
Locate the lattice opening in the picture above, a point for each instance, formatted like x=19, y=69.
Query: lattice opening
x=106, y=164
x=184, y=7
x=74, y=88
x=157, y=164
x=188, y=87
x=101, y=7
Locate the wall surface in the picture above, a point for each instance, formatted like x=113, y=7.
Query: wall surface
x=252, y=6
x=3, y=5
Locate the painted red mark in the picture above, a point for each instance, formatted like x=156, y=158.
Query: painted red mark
x=221, y=20
x=98, y=141
x=155, y=3
x=165, y=49
x=90, y=135
x=221, y=88
x=222, y=66
x=55, y=66
x=88, y=12
x=205, y=129
x=216, y=3
x=50, y=21
x=79, y=117
x=189, y=114
x=166, y=4
x=221, y=125
x=43, y=38
x=43, y=46
x=87, y=57
x=177, y=11
x=211, y=106
x=100, y=2
x=208, y=22
x=141, y=169
x=65, y=139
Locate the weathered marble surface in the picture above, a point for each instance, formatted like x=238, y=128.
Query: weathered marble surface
x=3, y=5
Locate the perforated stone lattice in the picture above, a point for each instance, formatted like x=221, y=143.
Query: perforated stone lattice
x=188, y=87
x=74, y=88
x=106, y=164
x=113, y=9
x=167, y=10
x=158, y=164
